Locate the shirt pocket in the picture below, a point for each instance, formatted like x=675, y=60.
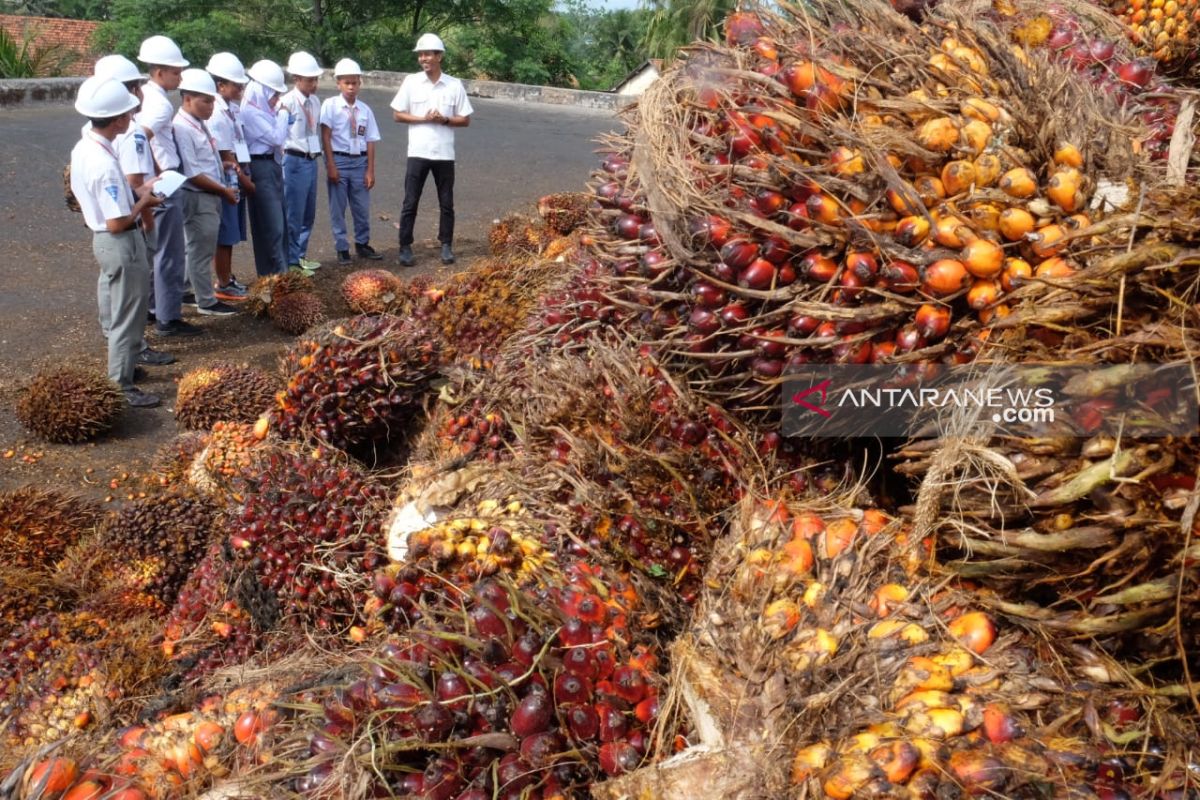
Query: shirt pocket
x=420, y=101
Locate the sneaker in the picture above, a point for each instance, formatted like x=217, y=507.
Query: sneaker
x=177, y=327
x=367, y=252
x=139, y=399
x=217, y=309
x=447, y=254
x=344, y=257
x=310, y=264
x=236, y=284
x=189, y=299
x=230, y=291
x=155, y=358
x=406, y=256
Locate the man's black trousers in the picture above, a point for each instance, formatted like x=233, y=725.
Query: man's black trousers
x=414, y=183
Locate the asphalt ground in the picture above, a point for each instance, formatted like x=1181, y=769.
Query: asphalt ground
x=510, y=155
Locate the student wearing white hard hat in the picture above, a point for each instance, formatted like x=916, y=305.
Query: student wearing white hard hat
x=133, y=152
x=432, y=104
x=300, y=154
x=205, y=188
x=230, y=77
x=112, y=210
x=348, y=136
x=165, y=64
x=266, y=127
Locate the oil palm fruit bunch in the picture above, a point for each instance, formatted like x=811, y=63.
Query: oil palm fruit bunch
x=266, y=289
x=371, y=291
x=563, y=212
x=38, y=526
x=356, y=383
x=296, y=312
x=518, y=239
x=310, y=532
x=473, y=429
x=25, y=594
x=1168, y=30
x=232, y=449
x=69, y=404
x=173, y=459
x=223, y=392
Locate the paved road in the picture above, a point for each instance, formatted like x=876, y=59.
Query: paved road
x=511, y=154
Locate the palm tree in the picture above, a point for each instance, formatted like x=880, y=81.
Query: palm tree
x=675, y=23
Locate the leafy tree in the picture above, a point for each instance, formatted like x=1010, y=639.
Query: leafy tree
x=675, y=23
x=25, y=60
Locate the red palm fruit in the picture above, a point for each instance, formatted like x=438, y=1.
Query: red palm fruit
x=852, y=286
x=84, y=790
x=933, y=322
x=433, y=721
x=978, y=773
x=248, y=727
x=612, y=722
x=583, y=722
x=647, y=710
x=703, y=321
x=630, y=684
x=849, y=351
x=707, y=295
x=797, y=216
x=52, y=776
x=734, y=314
x=603, y=653
x=801, y=325
x=767, y=367
x=739, y=253
x=590, y=608
x=648, y=234
x=451, y=688
x=863, y=264
x=581, y=661
x=817, y=268
x=533, y=715
x=442, y=780
x=743, y=28
x=628, y=226
x=758, y=275
x=574, y=632
x=513, y=773
x=770, y=343
x=999, y=725
x=899, y=276
x=570, y=688
x=617, y=758
x=769, y=202
x=541, y=748
x=775, y=250
x=526, y=648
x=475, y=793
x=882, y=350
x=487, y=622
x=712, y=230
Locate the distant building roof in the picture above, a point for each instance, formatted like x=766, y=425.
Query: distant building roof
x=639, y=78
x=69, y=35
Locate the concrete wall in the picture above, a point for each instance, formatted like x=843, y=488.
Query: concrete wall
x=14, y=93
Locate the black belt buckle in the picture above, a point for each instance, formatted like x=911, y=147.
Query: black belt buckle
x=348, y=155
x=261, y=156
x=301, y=154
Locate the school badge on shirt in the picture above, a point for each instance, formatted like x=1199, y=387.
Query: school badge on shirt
x=112, y=192
x=139, y=141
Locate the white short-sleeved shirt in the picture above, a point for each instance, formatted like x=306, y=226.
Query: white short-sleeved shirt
x=336, y=115
x=157, y=115
x=98, y=183
x=133, y=149
x=305, y=113
x=418, y=96
x=198, y=153
x=225, y=125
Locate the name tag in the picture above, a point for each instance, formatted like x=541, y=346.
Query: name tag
x=362, y=130
x=242, y=152
x=314, y=143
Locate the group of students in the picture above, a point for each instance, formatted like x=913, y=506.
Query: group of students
x=246, y=147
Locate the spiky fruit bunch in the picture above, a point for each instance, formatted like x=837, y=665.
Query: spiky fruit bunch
x=518, y=238
x=474, y=429
x=371, y=291
x=24, y=594
x=563, y=212
x=37, y=526
x=173, y=459
x=1167, y=29
x=314, y=552
x=356, y=383
x=297, y=312
x=69, y=404
x=223, y=392
x=149, y=548
x=266, y=289
x=233, y=449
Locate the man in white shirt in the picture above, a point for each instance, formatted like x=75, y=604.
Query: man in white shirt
x=114, y=217
x=205, y=189
x=165, y=64
x=300, y=154
x=432, y=104
x=348, y=135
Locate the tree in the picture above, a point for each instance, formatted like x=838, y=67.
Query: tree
x=675, y=23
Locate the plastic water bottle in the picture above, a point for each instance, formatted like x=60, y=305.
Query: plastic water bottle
x=231, y=180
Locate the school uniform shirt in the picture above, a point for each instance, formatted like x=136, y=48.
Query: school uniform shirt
x=156, y=116
x=197, y=150
x=266, y=130
x=98, y=183
x=304, y=134
x=338, y=115
x=226, y=125
x=418, y=95
x=133, y=150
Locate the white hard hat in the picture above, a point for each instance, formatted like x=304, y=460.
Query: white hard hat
x=118, y=68
x=228, y=67
x=269, y=74
x=347, y=66
x=102, y=98
x=303, y=65
x=429, y=41
x=199, y=81
x=161, y=51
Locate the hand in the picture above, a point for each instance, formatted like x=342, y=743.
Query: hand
x=147, y=187
x=246, y=185
x=147, y=220
x=331, y=172
x=369, y=179
x=433, y=115
x=230, y=195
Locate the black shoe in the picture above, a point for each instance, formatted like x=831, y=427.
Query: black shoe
x=139, y=374
x=189, y=299
x=447, y=254
x=177, y=327
x=367, y=252
x=150, y=318
x=344, y=257
x=155, y=358
x=139, y=399
x=406, y=256
x=217, y=309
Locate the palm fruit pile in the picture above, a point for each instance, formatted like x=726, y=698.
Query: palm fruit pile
x=223, y=392
x=265, y=290
x=296, y=312
x=371, y=291
x=38, y=526
x=1167, y=29
x=518, y=239
x=173, y=459
x=231, y=450
x=356, y=384
x=468, y=427
x=563, y=212
x=26, y=594
x=69, y=404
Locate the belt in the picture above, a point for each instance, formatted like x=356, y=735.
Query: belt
x=349, y=155
x=302, y=154
x=261, y=156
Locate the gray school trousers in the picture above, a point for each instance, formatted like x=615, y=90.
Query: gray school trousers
x=201, y=223
x=170, y=260
x=122, y=294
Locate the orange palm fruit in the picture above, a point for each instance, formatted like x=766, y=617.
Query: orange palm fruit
x=874, y=521
x=896, y=760
x=1068, y=155
x=912, y=230
x=974, y=630
x=1046, y=241
x=846, y=161
x=1018, y=182
x=939, y=134
x=931, y=190
x=983, y=293
x=810, y=760
x=1065, y=189
x=987, y=169
x=970, y=58
x=984, y=216
x=847, y=776
x=796, y=558
x=950, y=230
x=958, y=176
x=807, y=525
x=922, y=673
x=944, y=277
x=1016, y=272
x=980, y=109
x=936, y=723
x=823, y=208
x=999, y=725
x=986, y=315
x=1015, y=223
x=887, y=597
x=780, y=618
x=838, y=536
x=905, y=200
x=1055, y=267
x=983, y=258
x=975, y=136
x=978, y=773
x=1076, y=222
